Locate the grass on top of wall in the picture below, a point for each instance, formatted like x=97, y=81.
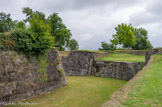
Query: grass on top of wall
x=123, y=57
x=97, y=51
x=66, y=53
x=81, y=91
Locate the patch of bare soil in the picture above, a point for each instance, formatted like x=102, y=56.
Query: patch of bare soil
x=121, y=96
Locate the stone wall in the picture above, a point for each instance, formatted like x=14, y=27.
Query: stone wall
x=83, y=63
x=21, y=79
x=118, y=70
x=78, y=63
x=152, y=52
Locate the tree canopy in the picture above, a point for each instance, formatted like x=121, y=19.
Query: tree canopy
x=59, y=31
x=131, y=38
x=73, y=45
x=124, y=36
x=6, y=23
x=141, y=39
x=107, y=46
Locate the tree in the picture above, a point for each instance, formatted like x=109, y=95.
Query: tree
x=30, y=13
x=141, y=39
x=6, y=23
x=35, y=39
x=20, y=25
x=124, y=36
x=59, y=31
x=107, y=46
x=73, y=45
x=42, y=39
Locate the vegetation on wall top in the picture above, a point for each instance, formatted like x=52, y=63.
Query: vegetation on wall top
x=35, y=34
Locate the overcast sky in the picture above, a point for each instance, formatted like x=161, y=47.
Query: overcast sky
x=93, y=21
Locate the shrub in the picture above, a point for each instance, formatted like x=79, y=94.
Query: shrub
x=107, y=46
x=30, y=43
x=24, y=42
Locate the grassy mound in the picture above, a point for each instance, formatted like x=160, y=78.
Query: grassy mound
x=148, y=91
x=86, y=91
x=123, y=57
x=144, y=90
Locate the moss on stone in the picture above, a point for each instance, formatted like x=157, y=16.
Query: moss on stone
x=61, y=72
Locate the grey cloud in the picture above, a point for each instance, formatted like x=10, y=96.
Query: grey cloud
x=93, y=21
x=64, y=5
x=152, y=14
x=144, y=18
x=155, y=7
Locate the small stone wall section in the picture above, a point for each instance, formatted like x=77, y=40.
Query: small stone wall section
x=78, y=63
x=21, y=79
x=152, y=52
x=118, y=70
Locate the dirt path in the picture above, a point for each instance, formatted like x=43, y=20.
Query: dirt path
x=121, y=96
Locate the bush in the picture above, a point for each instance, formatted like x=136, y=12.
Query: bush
x=32, y=41
x=107, y=46
x=30, y=45
x=24, y=42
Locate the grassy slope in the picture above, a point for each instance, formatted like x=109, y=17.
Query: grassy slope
x=123, y=57
x=144, y=90
x=148, y=91
x=81, y=92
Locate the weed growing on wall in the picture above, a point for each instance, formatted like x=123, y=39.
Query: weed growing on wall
x=43, y=64
x=6, y=42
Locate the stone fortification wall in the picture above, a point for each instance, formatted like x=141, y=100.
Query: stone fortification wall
x=83, y=63
x=21, y=79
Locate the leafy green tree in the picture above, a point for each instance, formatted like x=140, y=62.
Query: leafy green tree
x=30, y=13
x=73, y=45
x=6, y=23
x=107, y=46
x=20, y=25
x=59, y=31
x=124, y=36
x=41, y=35
x=34, y=40
x=141, y=39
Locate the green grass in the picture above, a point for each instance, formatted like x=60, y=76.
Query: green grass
x=148, y=90
x=64, y=53
x=97, y=51
x=85, y=91
x=123, y=57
